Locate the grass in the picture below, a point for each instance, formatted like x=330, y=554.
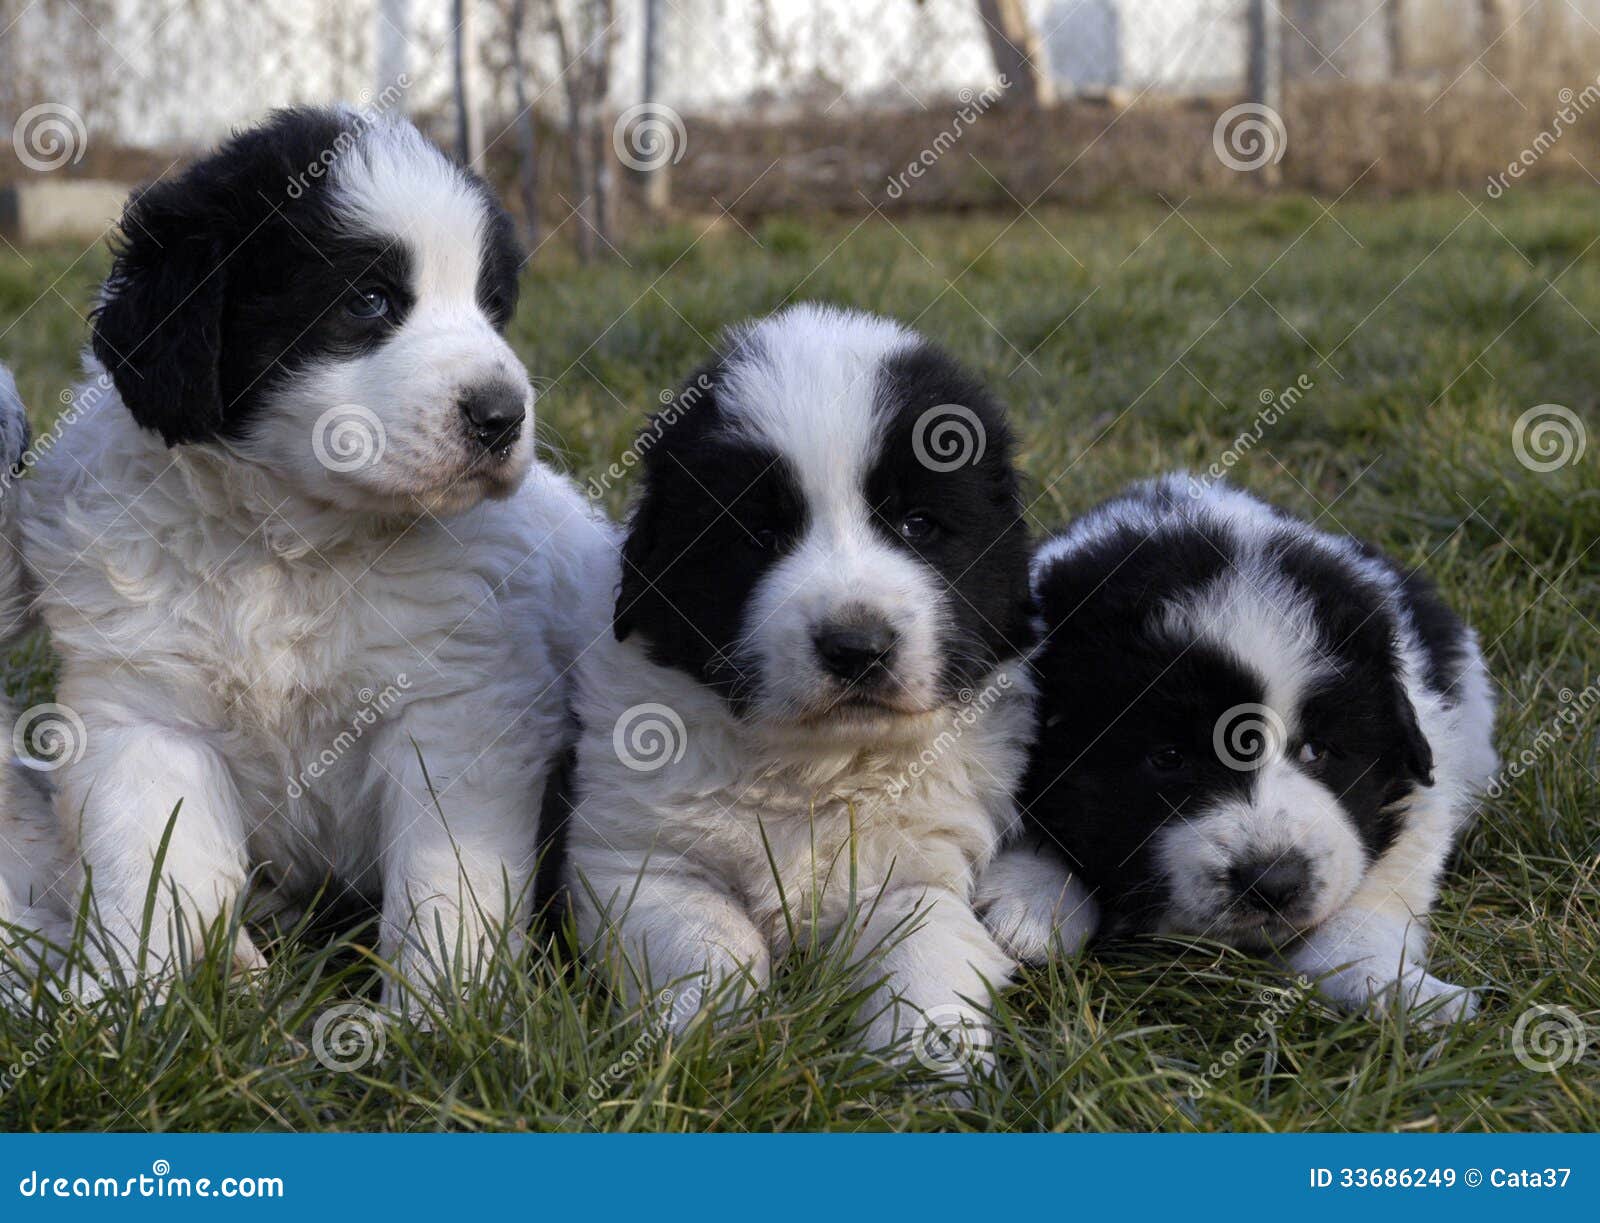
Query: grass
x=1127, y=340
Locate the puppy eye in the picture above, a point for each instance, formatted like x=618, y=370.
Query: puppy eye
x=917, y=526
x=763, y=540
x=1166, y=760
x=1311, y=751
x=368, y=303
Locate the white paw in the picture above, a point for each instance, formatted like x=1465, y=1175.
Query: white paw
x=1034, y=907
x=1424, y=998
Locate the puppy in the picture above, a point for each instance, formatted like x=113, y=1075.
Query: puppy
x=1249, y=729
x=812, y=715
x=30, y=847
x=308, y=599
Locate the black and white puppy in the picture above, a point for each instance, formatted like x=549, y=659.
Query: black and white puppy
x=30, y=846
x=815, y=678
x=1249, y=729
x=305, y=591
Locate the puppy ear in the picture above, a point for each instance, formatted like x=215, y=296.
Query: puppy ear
x=158, y=327
x=1415, y=751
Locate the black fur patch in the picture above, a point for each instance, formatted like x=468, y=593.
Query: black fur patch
x=236, y=272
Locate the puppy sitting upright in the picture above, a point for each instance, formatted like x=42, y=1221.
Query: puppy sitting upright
x=302, y=594
x=1251, y=730
x=814, y=680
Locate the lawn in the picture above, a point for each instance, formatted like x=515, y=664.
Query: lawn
x=1127, y=340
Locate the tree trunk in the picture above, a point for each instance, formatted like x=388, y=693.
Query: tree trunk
x=602, y=157
x=658, y=178
x=469, y=123
x=1499, y=38
x=578, y=146
x=527, y=131
x=1018, y=51
x=1394, y=35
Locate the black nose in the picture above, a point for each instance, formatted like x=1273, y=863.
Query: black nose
x=851, y=651
x=1271, y=885
x=494, y=413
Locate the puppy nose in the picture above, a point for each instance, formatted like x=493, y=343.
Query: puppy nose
x=851, y=650
x=1272, y=885
x=494, y=413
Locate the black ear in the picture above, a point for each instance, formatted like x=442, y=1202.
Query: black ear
x=637, y=551
x=1416, y=752
x=158, y=327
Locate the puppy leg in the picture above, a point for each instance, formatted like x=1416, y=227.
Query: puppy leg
x=459, y=837
x=1034, y=906
x=673, y=933
x=119, y=797
x=940, y=965
x=1375, y=948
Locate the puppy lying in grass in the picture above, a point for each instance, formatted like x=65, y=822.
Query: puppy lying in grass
x=1251, y=730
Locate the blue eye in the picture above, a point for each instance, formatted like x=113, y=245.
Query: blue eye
x=367, y=304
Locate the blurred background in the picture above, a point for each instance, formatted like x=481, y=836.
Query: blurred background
x=598, y=117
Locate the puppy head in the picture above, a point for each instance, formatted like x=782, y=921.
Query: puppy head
x=829, y=533
x=1226, y=740
x=326, y=298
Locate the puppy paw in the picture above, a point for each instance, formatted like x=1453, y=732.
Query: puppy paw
x=1425, y=999
x=1034, y=907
